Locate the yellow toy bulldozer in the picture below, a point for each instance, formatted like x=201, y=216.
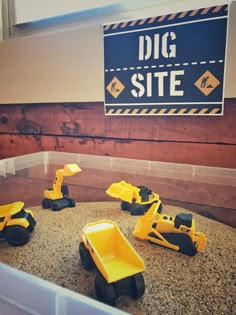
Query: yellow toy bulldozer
x=16, y=223
x=58, y=197
x=177, y=233
x=137, y=200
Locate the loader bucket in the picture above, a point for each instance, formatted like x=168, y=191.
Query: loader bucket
x=112, y=253
x=122, y=190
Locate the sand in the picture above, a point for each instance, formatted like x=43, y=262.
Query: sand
x=174, y=283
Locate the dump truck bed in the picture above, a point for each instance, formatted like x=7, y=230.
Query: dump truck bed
x=11, y=208
x=113, y=255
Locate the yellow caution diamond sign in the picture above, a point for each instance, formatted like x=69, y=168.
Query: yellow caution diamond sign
x=115, y=87
x=207, y=83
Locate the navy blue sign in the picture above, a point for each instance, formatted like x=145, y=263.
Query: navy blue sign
x=172, y=64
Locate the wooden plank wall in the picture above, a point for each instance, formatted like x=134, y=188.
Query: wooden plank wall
x=91, y=185
x=83, y=128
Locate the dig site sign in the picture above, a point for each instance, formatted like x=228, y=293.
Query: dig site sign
x=166, y=65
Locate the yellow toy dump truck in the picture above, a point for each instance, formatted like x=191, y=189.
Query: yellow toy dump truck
x=16, y=223
x=120, y=267
x=176, y=233
x=137, y=200
x=58, y=197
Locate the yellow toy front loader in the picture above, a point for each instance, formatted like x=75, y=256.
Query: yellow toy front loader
x=177, y=233
x=136, y=199
x=57, y=198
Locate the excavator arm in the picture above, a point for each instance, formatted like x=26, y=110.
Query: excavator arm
x=56, y=192
x=57, y=198
x=68, y=170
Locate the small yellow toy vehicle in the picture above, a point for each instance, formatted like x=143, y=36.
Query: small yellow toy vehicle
x=58, y=197
x=16, y=223
x=120, y=267
x=176, y=233
x=137, y=200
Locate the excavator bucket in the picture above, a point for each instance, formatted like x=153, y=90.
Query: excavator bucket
x=70, y=169
x=122, y=190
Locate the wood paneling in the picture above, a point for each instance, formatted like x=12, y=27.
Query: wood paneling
x=201, y=193
x=30, y=190
x=83, y=128
x=218, y=155
x=89, y=120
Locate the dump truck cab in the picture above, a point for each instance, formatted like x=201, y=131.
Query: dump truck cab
x=16, y=223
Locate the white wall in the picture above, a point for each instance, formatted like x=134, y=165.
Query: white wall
x=67, y=65
x=33, y=10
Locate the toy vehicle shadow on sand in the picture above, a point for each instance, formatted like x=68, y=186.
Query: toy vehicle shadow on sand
x=177, y=233
x=119, y=266
x=137, y=200
x=16, y=223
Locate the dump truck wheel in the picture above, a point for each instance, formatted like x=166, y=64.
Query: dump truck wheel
x=86, y=258
x=125, y=206
x=137, y=210
x=46, y=203
x=17, y=235
x=105, y=292
x=138, y=286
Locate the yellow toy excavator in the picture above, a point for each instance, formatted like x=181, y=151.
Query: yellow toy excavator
x=58, y=197
x=136, y=199
x=177, y=233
